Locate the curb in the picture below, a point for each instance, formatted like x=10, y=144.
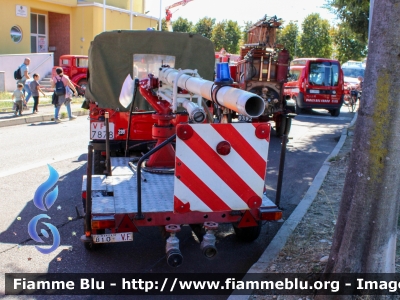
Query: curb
x=281, y=237
x=36, y=119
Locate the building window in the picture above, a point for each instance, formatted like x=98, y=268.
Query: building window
x=16, y=34
x=38, y=33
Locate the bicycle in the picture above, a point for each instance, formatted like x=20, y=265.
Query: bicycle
x=350, y=99
x=353, y=100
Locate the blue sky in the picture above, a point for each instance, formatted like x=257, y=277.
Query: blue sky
x=252, y=10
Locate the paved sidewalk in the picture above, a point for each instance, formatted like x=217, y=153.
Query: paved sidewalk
x=45, y=114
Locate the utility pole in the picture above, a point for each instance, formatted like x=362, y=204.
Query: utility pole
x=159, y=20
x=104, y=15
x=130, y=14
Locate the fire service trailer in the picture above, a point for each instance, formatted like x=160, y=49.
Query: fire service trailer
x=157, y=157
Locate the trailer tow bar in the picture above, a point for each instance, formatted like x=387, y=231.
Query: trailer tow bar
x=174, y=255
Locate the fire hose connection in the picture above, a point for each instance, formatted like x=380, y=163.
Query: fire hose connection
x=207, y=246
x=174, y=255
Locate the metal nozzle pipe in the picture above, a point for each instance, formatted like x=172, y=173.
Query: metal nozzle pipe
x=245, y=103
x=207, y=246
x=174, y=256
x=196, y=114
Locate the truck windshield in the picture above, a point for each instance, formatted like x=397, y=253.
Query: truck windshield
x=294, y=75
x=324, y=73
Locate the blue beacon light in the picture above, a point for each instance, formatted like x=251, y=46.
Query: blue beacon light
x=223, y=74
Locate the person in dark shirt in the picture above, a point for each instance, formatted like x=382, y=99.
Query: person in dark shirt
x=35, y=89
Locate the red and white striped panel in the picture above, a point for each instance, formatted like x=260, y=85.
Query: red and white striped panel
x=207, y=181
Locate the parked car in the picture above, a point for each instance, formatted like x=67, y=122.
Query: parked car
x=352, y=70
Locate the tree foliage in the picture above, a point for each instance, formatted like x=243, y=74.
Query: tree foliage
x=348, y=46
x=163, y=25
x=182, y=25
x=226, y=34
x=245, y=33
x=204, y=27
x=219, y=36
x=315, y=40
x=354, y=13
x=288, y=37
x=233, y=34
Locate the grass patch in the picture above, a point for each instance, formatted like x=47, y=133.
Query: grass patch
x=63, y=115
x=9, y=104
x=334, y=158
x=5, y=95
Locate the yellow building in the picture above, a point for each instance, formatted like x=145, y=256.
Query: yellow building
x=65, y=26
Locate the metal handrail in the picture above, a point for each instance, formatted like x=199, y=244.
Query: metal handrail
x=41, y=63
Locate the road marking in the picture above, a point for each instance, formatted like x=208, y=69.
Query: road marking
x=28, y=167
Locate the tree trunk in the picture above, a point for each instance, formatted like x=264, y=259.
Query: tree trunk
x=365, y=234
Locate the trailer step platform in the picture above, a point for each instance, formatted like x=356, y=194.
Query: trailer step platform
x=117, y=194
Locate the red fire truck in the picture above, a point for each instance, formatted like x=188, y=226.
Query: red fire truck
x=263, y=69
x=75, y=67
x=156, y=156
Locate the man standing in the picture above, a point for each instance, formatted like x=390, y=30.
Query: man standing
x=25, y=76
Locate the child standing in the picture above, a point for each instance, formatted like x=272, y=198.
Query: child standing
x=19, y=99
x=35, y=89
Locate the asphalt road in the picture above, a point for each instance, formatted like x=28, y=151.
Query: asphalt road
x=27, y=149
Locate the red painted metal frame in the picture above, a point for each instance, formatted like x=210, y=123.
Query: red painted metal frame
x=141, y=128
x=166, y=218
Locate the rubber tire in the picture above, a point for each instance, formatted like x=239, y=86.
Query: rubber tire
x=82, y=87
x=335, y=112
x=288, y=127
x=281, y=129
x=247, y=234
x=353, y=103
x=98, y=166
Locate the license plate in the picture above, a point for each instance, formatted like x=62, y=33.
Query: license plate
x=98, y=131
x=112, y=237
x=314, y=91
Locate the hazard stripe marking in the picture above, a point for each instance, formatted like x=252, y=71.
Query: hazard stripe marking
x=243, y=148
x=208, y=176
x=199, y=188
x=233, y=159
x=185, y=195
x=220, y=167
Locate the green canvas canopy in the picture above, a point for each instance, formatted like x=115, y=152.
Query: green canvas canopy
x=111, y=60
